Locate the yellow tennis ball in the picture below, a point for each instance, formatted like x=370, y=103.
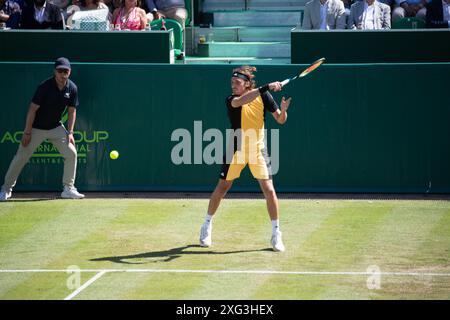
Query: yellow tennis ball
x=114, y=154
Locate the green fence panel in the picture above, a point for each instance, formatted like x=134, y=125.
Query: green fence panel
x=86, y=46
x=372, y=46
x=351, y=128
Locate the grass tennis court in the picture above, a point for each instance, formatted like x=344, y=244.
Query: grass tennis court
x=148, y=249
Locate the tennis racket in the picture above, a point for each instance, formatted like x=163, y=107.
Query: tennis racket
x=313, y=66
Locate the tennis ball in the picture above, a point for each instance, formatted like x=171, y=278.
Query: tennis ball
x=114, y=154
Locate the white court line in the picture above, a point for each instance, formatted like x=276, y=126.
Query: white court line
x=84, y=286
x=101, y=272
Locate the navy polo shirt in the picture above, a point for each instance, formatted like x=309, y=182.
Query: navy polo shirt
x=52, y=102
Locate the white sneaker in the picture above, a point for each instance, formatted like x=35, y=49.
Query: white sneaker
x=71, y=193
x=5, y=195
x=205, y=235
x=277, y=243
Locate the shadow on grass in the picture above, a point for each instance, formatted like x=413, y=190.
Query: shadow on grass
x=169, y=255
x=29, y=200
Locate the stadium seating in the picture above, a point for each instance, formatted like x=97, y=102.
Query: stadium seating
x=177, y=31
x=252, y=31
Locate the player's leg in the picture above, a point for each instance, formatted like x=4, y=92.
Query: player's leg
x=271, y=198
x=19, y=161
x=219, y=193
x=273, y=209
x=58, y=137
x=261, y=170
x=230, y=171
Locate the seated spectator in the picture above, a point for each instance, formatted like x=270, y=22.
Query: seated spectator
x=347, y=5
x=85, y=5
x=129, y=16
x=324, y=15
x=171, y=9
x=91, y=5
x=11, y=13
x=40, y=14
x=369, y=15
x=109, y=4
x=409, y=8
x=438, y=14
x=62, y=4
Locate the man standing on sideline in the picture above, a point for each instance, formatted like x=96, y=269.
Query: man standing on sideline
x=43, y=122
x=246, y=108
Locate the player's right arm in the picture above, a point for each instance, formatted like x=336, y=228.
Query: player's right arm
x=26, y=138
x=254, y=93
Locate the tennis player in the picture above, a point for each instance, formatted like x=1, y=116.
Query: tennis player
x=246, y=111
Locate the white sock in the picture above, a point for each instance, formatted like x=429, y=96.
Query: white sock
x=208, y=218
x=275, y=226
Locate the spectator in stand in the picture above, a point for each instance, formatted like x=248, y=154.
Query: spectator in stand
x=11, y=13
x=40, y=14
x=369, y=15
x=129, y=16
x=324, y=15
x=90, y=4
x=171, y=9
x=85, y=5
x=347, y=5
x=409, y=8
x=438, y=14
x=62, y=4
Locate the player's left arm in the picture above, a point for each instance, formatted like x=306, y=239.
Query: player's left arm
x=280, y=115
x=72, y=112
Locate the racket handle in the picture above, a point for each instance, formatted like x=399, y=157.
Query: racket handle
x=285, y=82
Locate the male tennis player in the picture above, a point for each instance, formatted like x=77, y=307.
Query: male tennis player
x=246, y=109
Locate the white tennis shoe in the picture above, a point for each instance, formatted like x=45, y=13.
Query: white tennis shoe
x=5, y=195
x=277, y=243
x=71, y=193
x=205, y=235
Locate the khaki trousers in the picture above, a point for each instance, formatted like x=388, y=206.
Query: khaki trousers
x=58, y=137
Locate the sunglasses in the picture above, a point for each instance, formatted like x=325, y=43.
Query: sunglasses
x=65, y=71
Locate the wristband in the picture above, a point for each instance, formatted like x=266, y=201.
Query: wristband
x=27, y=133
x=263, y=89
